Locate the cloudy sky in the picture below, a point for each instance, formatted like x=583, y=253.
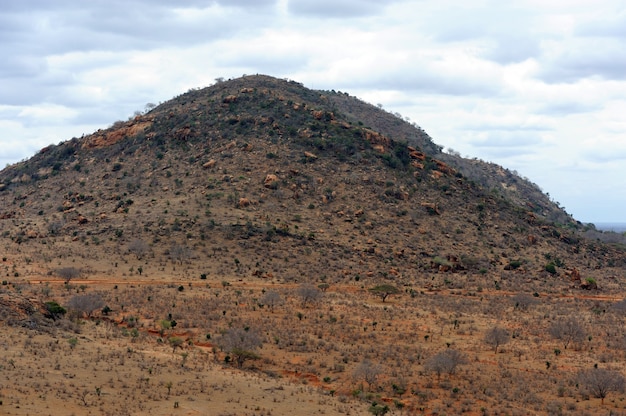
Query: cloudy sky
x=538, y=87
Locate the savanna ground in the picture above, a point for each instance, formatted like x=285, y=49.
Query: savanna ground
x=330, y=349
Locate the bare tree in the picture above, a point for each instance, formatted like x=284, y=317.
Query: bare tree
x=523, y=301
x=308, y=293
x=272, y=299
x=241, y=344
x=68, y=273
x=86, y=304
x=620, y=307
x=179, y=253
x=445, y=361
x=367, y=371
x=495, y=337
x=601, y=381
x=568, y=330
x=139, y=248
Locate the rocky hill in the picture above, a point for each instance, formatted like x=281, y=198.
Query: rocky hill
x=289, y=182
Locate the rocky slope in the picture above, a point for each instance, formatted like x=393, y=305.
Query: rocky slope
x=261, y=176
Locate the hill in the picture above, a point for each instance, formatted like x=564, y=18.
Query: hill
x=195, y=210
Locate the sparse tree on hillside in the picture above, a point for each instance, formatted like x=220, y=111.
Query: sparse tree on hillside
x=495, y=337
x=86, y=304
x=139, y=248
x=384, y=291
x=179, y=253
x=568, y=330
x=620, y=307
x=368, y=372
x=523, y=301
x=271, y=299
x=308, y=293
x=175, y=342
x=445, y=361
x=55, y=310
x=68, y=273
x=601, y=381
x=241, y=344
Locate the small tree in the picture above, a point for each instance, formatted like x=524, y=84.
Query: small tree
x=368, y=372
x=308, y=293
x=241, y=344
x=495, y=337
x=384, y=291
x=378, y=409
x=568, y=330
x=55, y=310
x=445, y=361
x=272, y=299
x=179, y=253
x=86, y=304
x=523, y=301
x=68, y=273
x=601, y=381
x=175, y=342
x=139, y=248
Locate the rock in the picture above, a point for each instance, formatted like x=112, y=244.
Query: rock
x=31, y=234
x=229, y=99
x=431, y=208
x=270, y=180
x=16, y=310
x=414, y=154
x=126, y=130
x=209, y=164
x=310, y=155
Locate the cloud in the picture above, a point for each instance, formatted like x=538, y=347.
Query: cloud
x=585, y=58
x=335, y=8
x=513, y=140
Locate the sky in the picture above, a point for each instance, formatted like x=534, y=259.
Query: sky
x=537, y=86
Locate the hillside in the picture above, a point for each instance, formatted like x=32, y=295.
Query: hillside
x=270, y=164
x=196, y=209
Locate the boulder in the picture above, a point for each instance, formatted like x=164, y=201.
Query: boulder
x=270, y=180
x=209, y=164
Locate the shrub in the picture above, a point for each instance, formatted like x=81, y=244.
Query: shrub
x=55, y=310
x=551, y=268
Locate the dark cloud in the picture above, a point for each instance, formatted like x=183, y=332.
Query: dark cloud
x=504, y=31
x=586, y=59
x=606, y=154
x=336, y=8
x=608, y=26
x=562, y=108
x=511, y=49
x=428, y=80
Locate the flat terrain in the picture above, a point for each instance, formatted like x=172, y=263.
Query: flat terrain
x=314, y=351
